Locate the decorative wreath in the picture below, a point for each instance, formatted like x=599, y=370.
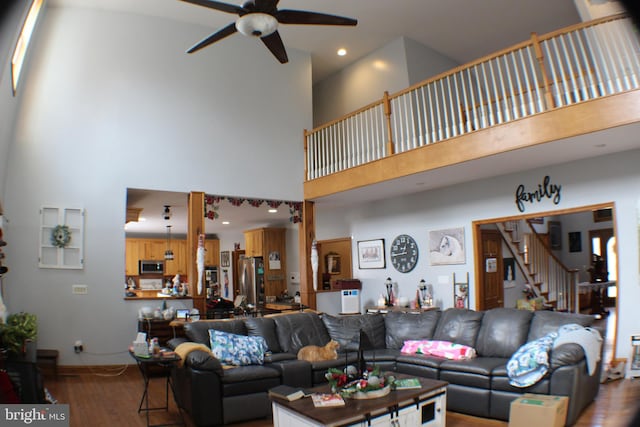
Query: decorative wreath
x=60, y=236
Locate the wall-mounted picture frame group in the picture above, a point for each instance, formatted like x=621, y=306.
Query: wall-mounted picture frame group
x=447, y=246
x=371, y=254
x=224, y=259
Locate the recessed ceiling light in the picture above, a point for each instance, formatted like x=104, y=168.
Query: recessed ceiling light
x=342, y=51
x=273, y=211
x=225, y=222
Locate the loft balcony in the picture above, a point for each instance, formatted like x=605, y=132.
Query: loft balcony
x=546, y=100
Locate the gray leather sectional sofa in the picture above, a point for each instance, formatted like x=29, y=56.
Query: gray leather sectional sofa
x=216, y=395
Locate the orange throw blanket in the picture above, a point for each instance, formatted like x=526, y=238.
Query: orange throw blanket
x=185, y=348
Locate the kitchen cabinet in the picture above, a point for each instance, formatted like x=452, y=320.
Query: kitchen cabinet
x=132, y=256
x=178, y=265
x=253, y=240
x=270, y=244
x=212, y=252
x=154, y=249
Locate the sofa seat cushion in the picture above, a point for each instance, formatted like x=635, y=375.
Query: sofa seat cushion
x=459, y=325
x=384, y=354
x=409, y=326
x=249, y=379
x=297, y=330
x=346, y=330
x=279, y=357
x=420, y=360
x=502, y=332
x=479, y=365
x=502, y=383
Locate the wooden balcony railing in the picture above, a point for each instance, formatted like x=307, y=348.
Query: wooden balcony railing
x=575, y=64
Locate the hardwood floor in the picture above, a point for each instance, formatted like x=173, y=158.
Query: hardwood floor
x=111, y=398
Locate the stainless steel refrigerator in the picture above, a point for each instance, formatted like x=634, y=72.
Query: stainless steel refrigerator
x=251, y=280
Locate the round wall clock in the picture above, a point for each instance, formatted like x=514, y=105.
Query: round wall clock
x=404, y=253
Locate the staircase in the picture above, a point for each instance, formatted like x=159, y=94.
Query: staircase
x=547, y=276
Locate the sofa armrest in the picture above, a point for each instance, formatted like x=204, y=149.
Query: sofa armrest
x=566, y=354
x=203, y=361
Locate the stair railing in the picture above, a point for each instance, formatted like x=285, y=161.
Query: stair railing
x=575, y=64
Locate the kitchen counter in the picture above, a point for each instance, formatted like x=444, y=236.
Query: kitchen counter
x=152, y=294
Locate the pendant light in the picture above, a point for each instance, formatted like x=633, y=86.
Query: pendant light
x=168, y=254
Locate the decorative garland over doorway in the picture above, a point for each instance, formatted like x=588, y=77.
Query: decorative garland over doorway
x=212, y=204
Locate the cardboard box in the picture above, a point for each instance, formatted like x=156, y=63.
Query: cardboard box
x=533, y=410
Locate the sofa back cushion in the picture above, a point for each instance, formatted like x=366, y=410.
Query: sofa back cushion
x=459, y=325
x=346, y=330
x=544, y=322
x=199, y=331
x=297, y=330
x=401, y=327
x=502, y=332
x=264, y=327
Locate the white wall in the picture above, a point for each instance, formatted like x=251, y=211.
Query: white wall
x=111, y=101
x=613, y=178
x=424, y=62
x=391, y=68
x=361, y=83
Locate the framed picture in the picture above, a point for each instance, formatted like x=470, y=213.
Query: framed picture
x=555, y=235
x=371, y=254
x=332, y=263
x=447, y=246
x=575, y=241
x=224, y=259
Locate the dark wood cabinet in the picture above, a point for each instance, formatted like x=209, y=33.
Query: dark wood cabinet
x=161, y=329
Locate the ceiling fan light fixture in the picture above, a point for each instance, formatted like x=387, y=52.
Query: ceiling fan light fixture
x=257, y=24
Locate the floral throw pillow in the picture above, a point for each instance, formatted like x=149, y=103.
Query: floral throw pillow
x=237, y=350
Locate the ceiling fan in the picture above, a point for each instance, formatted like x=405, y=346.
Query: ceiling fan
x=260, y=18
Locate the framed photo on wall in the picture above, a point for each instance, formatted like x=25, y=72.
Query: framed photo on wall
x=555, y=235
x=447, y=246
x=224, y=259
x=575, y=241
x=371, y=254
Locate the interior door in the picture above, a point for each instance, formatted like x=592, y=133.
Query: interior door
x=492, y=276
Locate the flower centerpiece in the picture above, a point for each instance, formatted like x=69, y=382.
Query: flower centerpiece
x=370, y=385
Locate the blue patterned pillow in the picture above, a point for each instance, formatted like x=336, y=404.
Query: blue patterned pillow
x=238, y=350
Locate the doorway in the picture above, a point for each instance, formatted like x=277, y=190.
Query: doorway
x=580, y=234
x=492, y=278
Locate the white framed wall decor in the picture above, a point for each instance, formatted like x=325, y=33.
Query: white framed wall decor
x=61, y=238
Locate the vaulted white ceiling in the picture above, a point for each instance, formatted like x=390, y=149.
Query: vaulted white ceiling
x=462, y=30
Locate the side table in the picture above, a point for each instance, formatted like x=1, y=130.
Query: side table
x=157, y=367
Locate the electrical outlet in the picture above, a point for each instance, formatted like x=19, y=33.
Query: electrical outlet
x=78, y=347
x=79, y=289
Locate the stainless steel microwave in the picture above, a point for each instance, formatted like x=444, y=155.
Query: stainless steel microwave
x=150, y=267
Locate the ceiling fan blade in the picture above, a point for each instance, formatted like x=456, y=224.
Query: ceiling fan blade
x=266, y=6
x=302, y=17
x=274, y=43
x=218, y=5
x=226, y=31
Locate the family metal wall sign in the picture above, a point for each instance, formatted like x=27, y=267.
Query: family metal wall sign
x=546, y=190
